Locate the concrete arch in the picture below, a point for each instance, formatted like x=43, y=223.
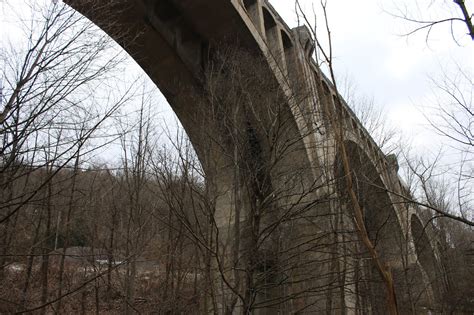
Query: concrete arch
x=165, y=54
x=380, y=214
x=248, y=4
x=268, y=20
x=381, y=220
x=253, y=10
x=425, y=255
x=174, y=45
x=286, y=38
x=355, y=134
x=288, y=53
x=272, y=34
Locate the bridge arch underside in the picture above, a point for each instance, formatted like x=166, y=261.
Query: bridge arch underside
x=217, y=84
x=244, y=133
x=386, y=234
x=247, y=138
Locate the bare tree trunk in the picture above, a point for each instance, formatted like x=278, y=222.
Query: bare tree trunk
x=336, y=123
x=130, y=286
x=67, y=223
x=29, y=266
x=45, y=250
x=8, y=172
x=467, y=17
x=110, y=254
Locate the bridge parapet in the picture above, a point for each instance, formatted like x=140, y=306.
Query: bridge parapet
x=282, y=43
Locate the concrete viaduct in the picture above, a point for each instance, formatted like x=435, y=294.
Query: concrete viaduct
x=255, y=105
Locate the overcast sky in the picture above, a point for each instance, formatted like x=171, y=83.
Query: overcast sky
x=393, y=69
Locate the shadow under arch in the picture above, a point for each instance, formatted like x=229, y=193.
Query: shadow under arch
x=383, y=228
x=425, y=256
x=177, y=48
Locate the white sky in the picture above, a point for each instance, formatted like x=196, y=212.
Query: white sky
x=394, y=69
x=391, y=68
x=368, y=48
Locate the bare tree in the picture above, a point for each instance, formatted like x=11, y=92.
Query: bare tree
x=453, y=107
x=254, y=225
x=425, y=16
x=50, y=114
x=48, y=80
x=372, y=116
x=325, y=52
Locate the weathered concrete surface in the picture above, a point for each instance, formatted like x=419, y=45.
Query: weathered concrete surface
x=176, y=43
